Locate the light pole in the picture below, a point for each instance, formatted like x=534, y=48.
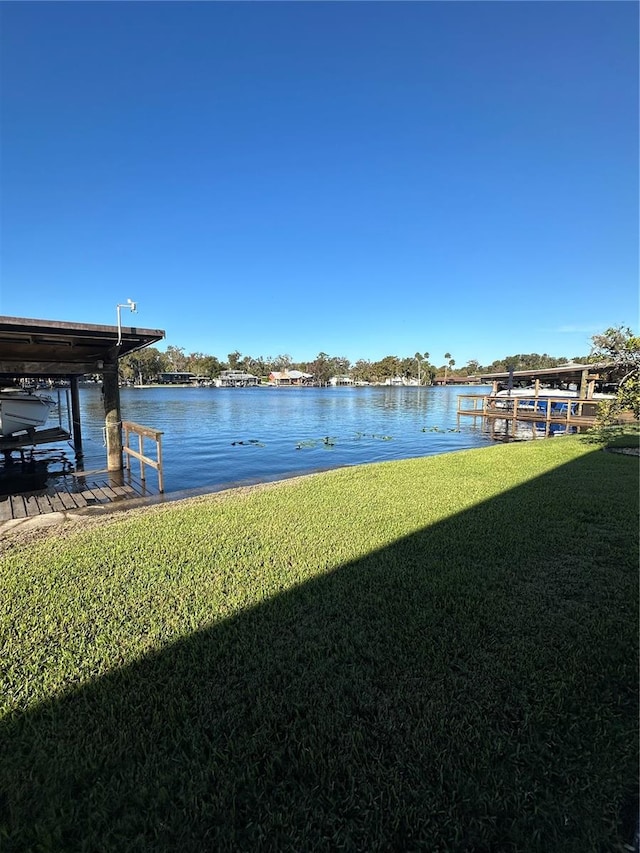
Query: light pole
x=132, y=307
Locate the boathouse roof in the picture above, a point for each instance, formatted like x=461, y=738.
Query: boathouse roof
x=570, y=372
x=56, y=348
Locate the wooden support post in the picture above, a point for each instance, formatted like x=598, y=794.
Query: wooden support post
x=547, y=426
x=537, y=389
x=160, y=472
x=583, y=383
x=112, y=416
x=75, y=415
x=141, y=452
x=125, y=445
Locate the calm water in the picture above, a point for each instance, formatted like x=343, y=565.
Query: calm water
x=215, y=437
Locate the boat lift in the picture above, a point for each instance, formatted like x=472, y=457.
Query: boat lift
x=30, y=438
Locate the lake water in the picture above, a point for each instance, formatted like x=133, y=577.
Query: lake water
x=217, y=437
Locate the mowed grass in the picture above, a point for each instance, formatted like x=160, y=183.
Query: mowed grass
x=437, y=654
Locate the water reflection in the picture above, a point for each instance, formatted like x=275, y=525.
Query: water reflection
x=34, y=470
x=220, y=436
x=215, y=437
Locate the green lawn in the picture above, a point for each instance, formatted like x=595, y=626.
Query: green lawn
x=438, y=654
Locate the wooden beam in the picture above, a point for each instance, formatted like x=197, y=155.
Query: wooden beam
x=75, y=415
x=47, y=368
x=112, y=417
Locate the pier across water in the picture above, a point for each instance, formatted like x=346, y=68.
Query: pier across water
x=544, y=414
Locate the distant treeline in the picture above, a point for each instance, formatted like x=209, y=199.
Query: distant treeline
x=144, y=365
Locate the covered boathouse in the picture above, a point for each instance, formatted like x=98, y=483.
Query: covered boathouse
x=52, y=349
x=583, y=378
x=550, y=400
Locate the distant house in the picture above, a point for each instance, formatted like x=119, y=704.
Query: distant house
x=176, y=377
x=290, y=377
x=236, y=379
x=407, y=381
x=203, y=381
x=341, y=380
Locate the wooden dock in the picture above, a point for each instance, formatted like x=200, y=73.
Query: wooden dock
x=539, y=411
x=74, y=491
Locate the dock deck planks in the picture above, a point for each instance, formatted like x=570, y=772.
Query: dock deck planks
x=18, y=508
x=74, y=491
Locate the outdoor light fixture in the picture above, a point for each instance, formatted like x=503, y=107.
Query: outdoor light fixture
x=132, y=307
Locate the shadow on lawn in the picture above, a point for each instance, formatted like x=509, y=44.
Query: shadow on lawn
x=467, y=688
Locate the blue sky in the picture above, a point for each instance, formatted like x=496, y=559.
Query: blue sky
x=358, y=178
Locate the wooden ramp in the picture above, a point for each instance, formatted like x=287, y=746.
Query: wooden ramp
x=74, y=491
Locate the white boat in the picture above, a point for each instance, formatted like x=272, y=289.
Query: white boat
x=23, y=410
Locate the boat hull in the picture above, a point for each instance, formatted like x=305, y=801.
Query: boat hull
x=20, y=412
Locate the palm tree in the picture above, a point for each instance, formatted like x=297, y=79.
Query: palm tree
x=420, y=357
x=447, y=356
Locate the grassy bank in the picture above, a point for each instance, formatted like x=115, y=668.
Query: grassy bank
x=436, y=654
